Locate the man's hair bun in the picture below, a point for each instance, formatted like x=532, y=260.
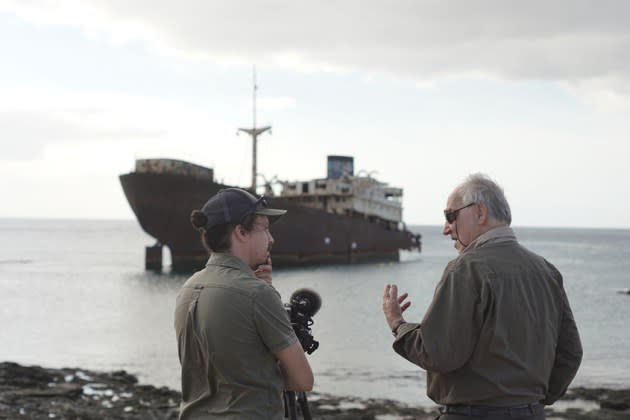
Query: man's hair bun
x=198, y=219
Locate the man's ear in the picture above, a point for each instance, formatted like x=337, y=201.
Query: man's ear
x=239, y=233
x=481, y=212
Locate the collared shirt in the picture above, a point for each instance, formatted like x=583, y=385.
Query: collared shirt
x=496, y=235
x=499, y=330
x=229, y=325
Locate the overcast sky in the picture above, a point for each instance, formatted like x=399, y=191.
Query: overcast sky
x=534, y=93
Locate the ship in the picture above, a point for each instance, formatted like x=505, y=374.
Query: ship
x=340, y=219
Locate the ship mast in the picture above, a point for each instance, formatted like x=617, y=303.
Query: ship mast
x=254, y=132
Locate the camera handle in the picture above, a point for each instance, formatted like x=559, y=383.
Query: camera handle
x=290, y=409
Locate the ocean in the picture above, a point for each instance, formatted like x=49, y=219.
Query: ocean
x=75, y=294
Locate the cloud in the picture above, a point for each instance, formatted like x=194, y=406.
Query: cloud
x=611, y=94
x=567, y=40
x=578, y=43
x=32, y=119
x=28, y=132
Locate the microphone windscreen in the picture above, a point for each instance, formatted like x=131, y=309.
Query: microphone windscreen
x=309, y=300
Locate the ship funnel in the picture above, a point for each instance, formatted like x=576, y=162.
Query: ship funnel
x=339, y=166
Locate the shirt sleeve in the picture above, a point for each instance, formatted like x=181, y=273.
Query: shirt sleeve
x=272, y=320
x=448, y=334
x=568, y=353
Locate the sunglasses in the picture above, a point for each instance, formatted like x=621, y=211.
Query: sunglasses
x=451, y=215
x=261, y=200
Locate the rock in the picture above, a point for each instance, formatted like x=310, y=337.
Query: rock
x=33, y=392
x=14, y=375
x=614, y=404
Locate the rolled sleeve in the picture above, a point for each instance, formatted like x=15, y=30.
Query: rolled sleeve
x=408, y=342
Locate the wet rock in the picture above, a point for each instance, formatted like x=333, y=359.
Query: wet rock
x=34, y=392
x=14, y=375
x=618, y=400
x=610, y=404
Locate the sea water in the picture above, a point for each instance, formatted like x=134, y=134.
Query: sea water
x=75, y=294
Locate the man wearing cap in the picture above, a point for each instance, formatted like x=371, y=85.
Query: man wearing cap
x=237, y=348
x=498, y=340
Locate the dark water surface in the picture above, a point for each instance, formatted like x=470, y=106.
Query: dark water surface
x=74, y=293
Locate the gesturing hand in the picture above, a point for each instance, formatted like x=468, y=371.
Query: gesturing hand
x=394, y=305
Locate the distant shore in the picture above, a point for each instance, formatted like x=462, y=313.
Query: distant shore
x=33, y=392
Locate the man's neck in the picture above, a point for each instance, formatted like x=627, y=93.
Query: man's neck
x=485, y=228
x=491, y=225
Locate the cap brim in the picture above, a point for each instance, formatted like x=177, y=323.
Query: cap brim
x=270, y=212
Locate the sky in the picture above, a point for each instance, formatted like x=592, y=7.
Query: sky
x=535, y=94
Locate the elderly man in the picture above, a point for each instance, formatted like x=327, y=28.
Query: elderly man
x=498, y=340
x=236, y=345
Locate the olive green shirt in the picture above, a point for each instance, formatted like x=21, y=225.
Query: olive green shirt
x=229, y=325
x=499, y=330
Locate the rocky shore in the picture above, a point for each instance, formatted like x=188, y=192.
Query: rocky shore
x=33, y=392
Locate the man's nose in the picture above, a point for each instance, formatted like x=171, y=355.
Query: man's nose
x=271, y=241
x=446, y=230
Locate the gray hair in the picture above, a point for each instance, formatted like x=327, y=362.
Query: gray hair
x=479, y=188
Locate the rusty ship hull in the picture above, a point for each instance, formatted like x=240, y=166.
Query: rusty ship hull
x=162, y=204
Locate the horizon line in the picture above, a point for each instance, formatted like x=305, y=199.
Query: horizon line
x=95, y=219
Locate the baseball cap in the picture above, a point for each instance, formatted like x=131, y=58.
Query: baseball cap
x=232, y=205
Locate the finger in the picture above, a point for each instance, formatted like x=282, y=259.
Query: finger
x=263, y=270
x=402, y=297
x=386, y=291
x=405, y=306
x=393, y=292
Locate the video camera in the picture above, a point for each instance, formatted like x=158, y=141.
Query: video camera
x=304, y=303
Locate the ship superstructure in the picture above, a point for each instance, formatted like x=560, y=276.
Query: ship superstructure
x=344, y=193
